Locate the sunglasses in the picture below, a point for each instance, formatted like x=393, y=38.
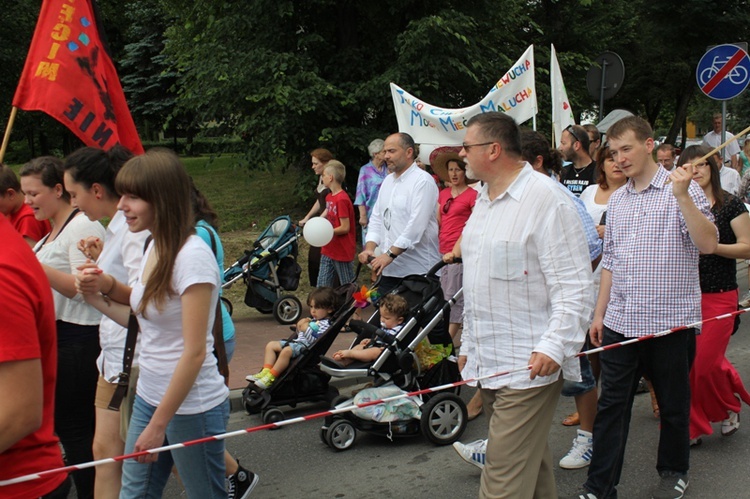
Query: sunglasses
x=572, y=131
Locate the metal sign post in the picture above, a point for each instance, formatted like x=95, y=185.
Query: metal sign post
x=723, y=73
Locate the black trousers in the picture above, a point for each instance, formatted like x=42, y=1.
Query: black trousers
x=77, y=374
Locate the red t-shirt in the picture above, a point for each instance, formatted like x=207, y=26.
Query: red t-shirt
x=27, y=225
x=27, y=331
x=342, y=247
x=453, y=218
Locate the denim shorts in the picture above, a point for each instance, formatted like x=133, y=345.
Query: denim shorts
x=297, y=348
x=587, y=383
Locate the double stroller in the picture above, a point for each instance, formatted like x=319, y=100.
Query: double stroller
x=420, y=356
x=302, y=381
x=268, y=269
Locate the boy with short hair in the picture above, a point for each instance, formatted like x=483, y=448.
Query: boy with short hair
x=337, y=256
x=393, y=312
x=279, y=354
x=20, y=215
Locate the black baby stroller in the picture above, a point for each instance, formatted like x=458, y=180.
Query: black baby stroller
x=441, y=416
x=302, y=381
x=269, y=269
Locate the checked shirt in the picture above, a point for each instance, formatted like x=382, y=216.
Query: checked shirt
x=654, y=263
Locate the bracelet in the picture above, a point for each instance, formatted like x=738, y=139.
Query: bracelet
x=391, y=254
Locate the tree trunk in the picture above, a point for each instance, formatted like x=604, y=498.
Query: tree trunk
x=680, y=114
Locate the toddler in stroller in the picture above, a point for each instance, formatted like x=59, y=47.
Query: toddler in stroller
x=302, y=380
x=278, y=354
x=420, y=356
x=393, y=310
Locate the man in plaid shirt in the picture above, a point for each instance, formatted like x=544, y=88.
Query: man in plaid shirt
x=649, y=283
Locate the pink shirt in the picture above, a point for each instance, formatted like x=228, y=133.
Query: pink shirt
x=454, y=217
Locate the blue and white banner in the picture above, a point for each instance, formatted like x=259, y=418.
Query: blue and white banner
x=514, y=94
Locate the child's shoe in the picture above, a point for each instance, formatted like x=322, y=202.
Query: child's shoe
x=265, y=381
x=257, y=376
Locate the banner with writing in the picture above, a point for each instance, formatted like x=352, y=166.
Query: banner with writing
x=514, y=94
x=562, y=113
x=69, y=75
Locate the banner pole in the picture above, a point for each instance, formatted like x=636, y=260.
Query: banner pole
x=8, y=128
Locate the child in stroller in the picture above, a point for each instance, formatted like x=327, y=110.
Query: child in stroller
x=393, y=310
x=278, y=354
x=420, y=356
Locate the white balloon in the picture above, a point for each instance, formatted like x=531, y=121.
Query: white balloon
x=318, y=232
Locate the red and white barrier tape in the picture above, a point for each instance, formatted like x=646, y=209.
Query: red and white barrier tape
x=348, y=408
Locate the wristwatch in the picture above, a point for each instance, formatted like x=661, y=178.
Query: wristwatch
x=391, y=254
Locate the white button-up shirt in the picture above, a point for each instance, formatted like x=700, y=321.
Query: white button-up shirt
x=121, y=258
x=527, y=282
x=730, y=180
x=404, y=216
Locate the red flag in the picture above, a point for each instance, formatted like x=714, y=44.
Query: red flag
x=69, y=75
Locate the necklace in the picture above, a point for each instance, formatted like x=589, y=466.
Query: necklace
x=578, y=171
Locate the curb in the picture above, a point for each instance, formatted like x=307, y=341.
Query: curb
x=235, y=395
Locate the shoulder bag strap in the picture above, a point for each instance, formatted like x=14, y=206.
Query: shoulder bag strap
x=219, y=351
x=127, y=362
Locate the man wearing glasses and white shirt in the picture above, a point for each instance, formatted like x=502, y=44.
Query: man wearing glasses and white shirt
x=403, y=221
x=665, y=156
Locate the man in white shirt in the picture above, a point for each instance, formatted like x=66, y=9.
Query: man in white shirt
x=403, y=221
x=713, y=139
x=730, y=178
x=528, y=296
x=665, y=156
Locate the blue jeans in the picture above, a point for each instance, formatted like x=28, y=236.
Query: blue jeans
x=201, y=467
x=666, y=361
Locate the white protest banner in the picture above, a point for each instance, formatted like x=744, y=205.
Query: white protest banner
x=562, y=113
x=514, y=94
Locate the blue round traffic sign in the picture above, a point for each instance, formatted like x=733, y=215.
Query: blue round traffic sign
x=723, y=72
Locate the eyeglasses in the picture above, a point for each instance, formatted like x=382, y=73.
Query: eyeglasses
x=469, y=146
x=449, y=202
x=572, y=131
x=702, y=165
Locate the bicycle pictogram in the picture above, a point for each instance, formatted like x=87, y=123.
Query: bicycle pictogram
x=737, y=75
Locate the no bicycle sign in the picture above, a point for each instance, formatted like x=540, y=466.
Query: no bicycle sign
x=723, y=72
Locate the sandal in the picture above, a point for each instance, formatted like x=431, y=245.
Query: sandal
x=474, y=416
x=730, y=425
x=571, y=420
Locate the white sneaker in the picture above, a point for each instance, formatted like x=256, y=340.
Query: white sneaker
x=730, y=425
x=474, y=453
x=579, y=456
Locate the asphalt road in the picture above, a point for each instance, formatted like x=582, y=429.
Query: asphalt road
x=293, y=462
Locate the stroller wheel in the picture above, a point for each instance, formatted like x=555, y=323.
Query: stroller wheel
x=272, y=415
x=340, y=435
x=287, y=309
x=444, y=419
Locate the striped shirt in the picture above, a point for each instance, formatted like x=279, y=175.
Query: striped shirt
x=654, y=263
x=314, y=331
x=527, y=282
